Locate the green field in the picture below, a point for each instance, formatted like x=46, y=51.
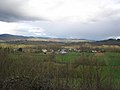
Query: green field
x=71, y=71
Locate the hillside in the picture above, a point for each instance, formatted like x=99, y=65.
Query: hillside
x=107, y=42
x=9, y=37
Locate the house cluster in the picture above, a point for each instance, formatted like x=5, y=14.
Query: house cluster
x=65, y=51
x=61, y=51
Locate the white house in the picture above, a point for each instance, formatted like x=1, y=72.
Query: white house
x=63, y=51
x=44, y=50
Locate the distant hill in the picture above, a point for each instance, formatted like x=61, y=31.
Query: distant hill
x=107, y=42
x=13, y=39
x=9, y=37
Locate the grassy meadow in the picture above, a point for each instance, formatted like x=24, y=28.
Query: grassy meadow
x=32, y=69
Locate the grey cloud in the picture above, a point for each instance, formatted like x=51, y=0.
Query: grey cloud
x=10, y=11
x=14, y=17
x=93, y=31
x=104, y=25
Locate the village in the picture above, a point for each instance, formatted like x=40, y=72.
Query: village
x=61, y=51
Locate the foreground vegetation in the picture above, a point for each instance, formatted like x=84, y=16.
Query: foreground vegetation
x=33, y=70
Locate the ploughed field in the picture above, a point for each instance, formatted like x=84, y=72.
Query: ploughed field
x=73, y=70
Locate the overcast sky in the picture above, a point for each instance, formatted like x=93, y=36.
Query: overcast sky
x=84, y=19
